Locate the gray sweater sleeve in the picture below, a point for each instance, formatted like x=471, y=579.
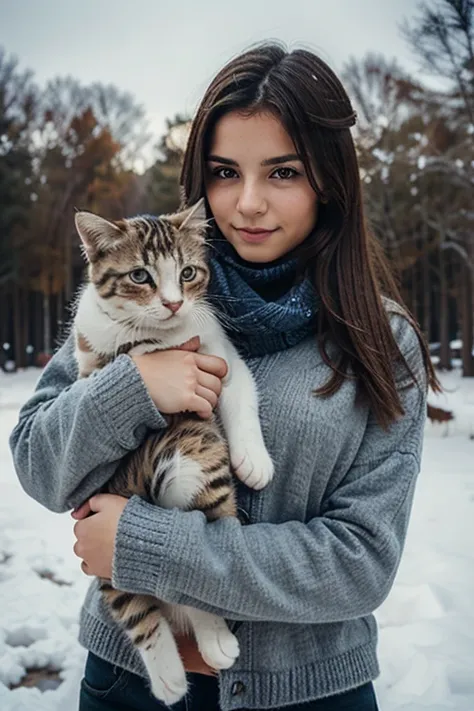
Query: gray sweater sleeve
x=72, y=433
x=337, y=566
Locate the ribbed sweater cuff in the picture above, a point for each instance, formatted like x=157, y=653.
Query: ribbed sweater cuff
x=142, y=542
x=122, y=398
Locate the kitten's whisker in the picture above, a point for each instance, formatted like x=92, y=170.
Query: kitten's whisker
x=223, y=319
x=221, y=297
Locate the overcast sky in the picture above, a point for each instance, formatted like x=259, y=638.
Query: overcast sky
x=166, y=51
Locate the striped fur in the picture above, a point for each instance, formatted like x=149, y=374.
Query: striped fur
x=188, y=466
x=145, y=471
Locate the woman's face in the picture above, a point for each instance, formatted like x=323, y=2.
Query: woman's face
x=257, y=187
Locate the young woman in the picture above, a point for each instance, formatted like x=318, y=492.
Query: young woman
x=342, y=374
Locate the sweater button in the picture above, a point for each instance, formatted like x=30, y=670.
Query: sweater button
x=243, y=516
x=238, y=687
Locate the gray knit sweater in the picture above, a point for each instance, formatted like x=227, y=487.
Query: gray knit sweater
x=313, y=555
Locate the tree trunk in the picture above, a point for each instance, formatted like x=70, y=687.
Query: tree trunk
x=466, y=310
x=59, y=313
x=414, y=291
x=38, y=322
x=445, y=349
x=4, y=314
x=19, y=354
x=47, y=323
x=68, y=284
x=25, y=321
x=425, y=271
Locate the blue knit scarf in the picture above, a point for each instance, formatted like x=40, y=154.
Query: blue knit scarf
x=265, y=307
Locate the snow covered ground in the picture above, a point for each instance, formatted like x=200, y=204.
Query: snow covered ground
x=38, y=618
x=426, y=624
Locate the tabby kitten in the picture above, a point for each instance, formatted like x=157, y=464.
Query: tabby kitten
x=146, y=291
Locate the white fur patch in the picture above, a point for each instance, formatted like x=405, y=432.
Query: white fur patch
x=182, y=481
x=238, y=408
x=170, y=289
x=164, y=665
x=86, y=362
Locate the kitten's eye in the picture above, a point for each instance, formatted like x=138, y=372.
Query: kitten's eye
x=188, y=273
x=140, y=276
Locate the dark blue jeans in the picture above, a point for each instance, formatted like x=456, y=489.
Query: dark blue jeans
x=109, y=688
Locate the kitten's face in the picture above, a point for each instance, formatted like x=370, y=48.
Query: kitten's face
x=151, y=269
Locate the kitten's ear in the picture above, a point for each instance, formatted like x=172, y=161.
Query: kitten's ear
x=97, y=234
x=193, y=218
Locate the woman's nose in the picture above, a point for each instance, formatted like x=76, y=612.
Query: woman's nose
x=251, y=200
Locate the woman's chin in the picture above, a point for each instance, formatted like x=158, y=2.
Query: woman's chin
x=253, y=252
x=259, y=254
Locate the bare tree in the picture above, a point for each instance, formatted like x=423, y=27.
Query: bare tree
x=114, y=110
x=442, y=36
x=18, y=101
x=388, y=104
x=118, y=112
x=382, y=92
x=18, y=104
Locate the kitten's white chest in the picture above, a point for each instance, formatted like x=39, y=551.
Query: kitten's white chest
x=103, y=333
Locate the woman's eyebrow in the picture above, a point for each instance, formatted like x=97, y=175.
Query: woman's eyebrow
x=219, y=159
x=268, y=161
x=281, y=159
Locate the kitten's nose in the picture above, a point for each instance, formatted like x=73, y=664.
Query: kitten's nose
x=173, y=306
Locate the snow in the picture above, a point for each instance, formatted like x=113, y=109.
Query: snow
x=38, y=618
x=426, y=640
x=383, y=156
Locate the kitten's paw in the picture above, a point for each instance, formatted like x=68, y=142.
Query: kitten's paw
x=169, y=688
x=251, y=463
x=219, y=648
x=164, y=665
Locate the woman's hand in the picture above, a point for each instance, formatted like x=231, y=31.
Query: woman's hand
x=96, y=534
x=95, y=530
x=181, y=380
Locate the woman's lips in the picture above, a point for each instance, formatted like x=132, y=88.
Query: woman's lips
x=255, y=236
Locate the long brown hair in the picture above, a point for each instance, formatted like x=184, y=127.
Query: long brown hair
x=341, y=257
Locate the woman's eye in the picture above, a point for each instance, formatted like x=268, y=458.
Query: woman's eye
x=225, y=173
x=285, y=173
x=188, y=273
x=140, y=276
